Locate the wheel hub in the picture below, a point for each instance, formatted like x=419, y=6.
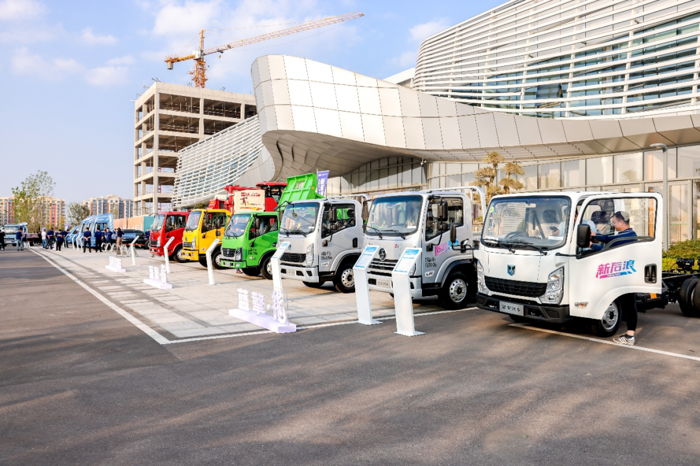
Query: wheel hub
x=347, y=278
x=610, y=317
x=458, y=290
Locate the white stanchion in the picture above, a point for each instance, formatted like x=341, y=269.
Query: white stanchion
x=403, y=303
x=115, y=265
x=276, y=269
x=158, y=277
x=167, y=256
x=364, y=306
x=210, y=266
x=133, y=253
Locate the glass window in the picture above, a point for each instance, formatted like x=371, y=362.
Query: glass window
x=654, y=165
x=529, y=179
x=549, y=175
x=641, y=211
x=688, y=161
x=337, y=217
x=573, y=173
x=628, y=168
x=599, y=170
x=193, y=220
x=300, y=218
x=237, y=225
x=268, y=224
x=455, y=214
x=394, y=215
x=213, y=221
x=678, y=212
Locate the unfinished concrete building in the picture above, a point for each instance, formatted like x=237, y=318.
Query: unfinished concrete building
x=170, y=117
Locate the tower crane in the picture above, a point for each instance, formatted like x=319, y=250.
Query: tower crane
x=199, y=72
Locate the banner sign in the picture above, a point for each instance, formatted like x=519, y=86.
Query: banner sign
x=250, y=199
x=322, y=178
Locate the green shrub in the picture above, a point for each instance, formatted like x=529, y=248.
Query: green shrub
x=689, y=249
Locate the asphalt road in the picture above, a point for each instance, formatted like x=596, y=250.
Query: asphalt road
x=81, y=385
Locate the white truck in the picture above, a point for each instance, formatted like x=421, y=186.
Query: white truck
x=11, y=231
x=539, y=260
x=325, y=240
x=440, y=224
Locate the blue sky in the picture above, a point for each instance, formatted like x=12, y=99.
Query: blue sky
x=70, y=69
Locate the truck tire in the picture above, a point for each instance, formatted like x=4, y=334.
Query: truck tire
x=216, y=259
x=453, y=294
x=266, y=267
x=177, y=255
x=313, y=285
x=344, y=279
x=607, y=326
x=686, y=298
x=693, y=300
x=251, y=271
x=202, y=260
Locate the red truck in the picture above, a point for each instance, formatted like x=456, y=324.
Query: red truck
x=168, y=225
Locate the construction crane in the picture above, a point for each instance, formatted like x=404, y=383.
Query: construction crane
x=199, y=72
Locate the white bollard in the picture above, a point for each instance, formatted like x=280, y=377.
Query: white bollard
x=133, y=253
x=167, y=257
x=210, y=267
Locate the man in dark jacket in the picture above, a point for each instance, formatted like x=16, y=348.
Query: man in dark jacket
x=19, y=237
x=2, y=239
x=621, y=223
x=86, y=240
x=98, y=240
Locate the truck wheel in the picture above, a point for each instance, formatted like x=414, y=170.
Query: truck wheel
x=251, y=271
x=453, y=294
x=216, y=259
x=609, y=323
x=313, y=285
x=202, y=260
x=177, y=255
x=266, y=267
x=344, y=279
x=686, y=298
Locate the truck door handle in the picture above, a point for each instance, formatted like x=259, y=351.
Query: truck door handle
x=354, y=242
x=650, y=273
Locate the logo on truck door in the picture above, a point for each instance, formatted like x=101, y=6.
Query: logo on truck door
x=511, y=270
x=615, y=269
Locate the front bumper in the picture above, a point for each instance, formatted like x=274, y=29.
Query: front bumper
x=384, y=284
x=190, y=254
x=156, y=251
x=296, y=272
x=232, y=264
x=533, y=311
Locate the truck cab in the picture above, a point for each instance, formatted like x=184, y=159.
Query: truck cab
x=168, y=225
x=11, y=231
x=250, y=238
x=325, y=238
x=203, y=226
x=426, y=220
x=554, y=257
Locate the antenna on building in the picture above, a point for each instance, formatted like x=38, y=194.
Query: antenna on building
x=156, y=80
x=222, y=88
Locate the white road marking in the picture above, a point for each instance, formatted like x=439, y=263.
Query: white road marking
x=140, y=325
x=608, y=342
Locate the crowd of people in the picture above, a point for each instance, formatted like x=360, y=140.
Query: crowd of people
x=55, y=239
x=104, y=240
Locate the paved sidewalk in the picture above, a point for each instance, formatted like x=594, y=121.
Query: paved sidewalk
x=195, y=309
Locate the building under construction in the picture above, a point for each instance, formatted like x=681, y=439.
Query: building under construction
x=170, y=117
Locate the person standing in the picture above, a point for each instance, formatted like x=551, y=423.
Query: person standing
x=108, y=239
x=19, y=238
x=43, y=238
x=59, y=240
x=120, y=234
x=49, y=238
x=86, y=240
x=64, y=233
x=98, y=240
x=2, y=239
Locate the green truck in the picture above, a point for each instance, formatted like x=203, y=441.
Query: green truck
x=250, y=238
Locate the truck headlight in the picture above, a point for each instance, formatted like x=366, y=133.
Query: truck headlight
x=480, y=280
x=310, y=255
x=158, y=242
x=555, y=287
x=238, y=255
x=194, y=243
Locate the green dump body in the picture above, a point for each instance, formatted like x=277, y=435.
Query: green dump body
x=249, y=248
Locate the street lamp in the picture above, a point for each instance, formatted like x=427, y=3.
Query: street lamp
x=667, y=206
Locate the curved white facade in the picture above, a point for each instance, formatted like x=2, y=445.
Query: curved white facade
x=567, y=58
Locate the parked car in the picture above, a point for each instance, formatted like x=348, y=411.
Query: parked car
x=129, y=235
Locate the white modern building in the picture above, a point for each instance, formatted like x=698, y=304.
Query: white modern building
x=576, y=91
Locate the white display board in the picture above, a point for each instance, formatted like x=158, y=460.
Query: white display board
x=364, y=306
x=403, y=303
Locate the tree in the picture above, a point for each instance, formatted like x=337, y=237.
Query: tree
x=30, y=197
x=508, y=183
x=114, y=210
x=77, y=213
x=486, y=177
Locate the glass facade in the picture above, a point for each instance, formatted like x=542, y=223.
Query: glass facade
x=571, y=60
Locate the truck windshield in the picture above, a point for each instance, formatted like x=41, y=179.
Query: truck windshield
x=299, y=218
x=527, y=221
x=236, y=226
x=193, y=220
x=157, y=222
x=395, y=215
x=9, y=229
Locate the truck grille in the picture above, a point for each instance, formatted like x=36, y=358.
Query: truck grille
x=153, y=243
x=382, y=267
x=187, y=245
x=294, y=258
x=228, y=252
x=516, y=288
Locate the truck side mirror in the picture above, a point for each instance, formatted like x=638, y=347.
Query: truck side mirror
x=333, y=214
x=453, y=233
x=442, y=211
x=583, y=236
x=365, y=211
x=257, y=223
x=218, y=232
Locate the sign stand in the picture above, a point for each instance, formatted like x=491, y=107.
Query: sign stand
x=364, y=306
x=403, y=303
x=279, y=320
x=115, y=265
x=158, y=277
